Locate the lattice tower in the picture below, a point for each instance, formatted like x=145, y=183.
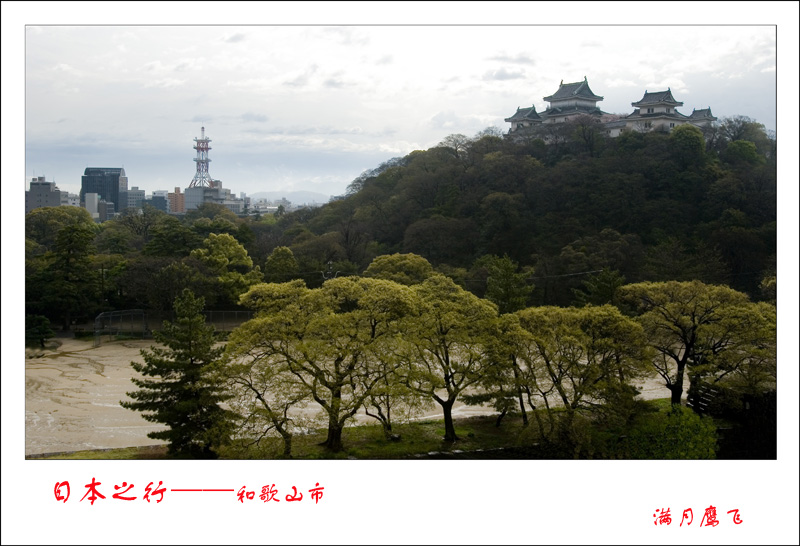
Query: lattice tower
x=201, y=177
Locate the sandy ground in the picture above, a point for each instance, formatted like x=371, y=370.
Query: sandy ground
x=72, y=398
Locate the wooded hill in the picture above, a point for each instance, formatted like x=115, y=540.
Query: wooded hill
x=651, y=207
x=577, y=216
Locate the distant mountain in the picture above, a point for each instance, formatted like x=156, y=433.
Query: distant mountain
x=296, y=197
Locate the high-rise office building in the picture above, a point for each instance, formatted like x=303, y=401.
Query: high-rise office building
x=107, y=182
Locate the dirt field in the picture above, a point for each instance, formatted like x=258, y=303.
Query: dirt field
x=72, y=397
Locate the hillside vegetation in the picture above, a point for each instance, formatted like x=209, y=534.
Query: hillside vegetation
x=541, y=278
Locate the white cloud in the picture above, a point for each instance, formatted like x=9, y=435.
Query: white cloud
x=503, y=74
x=615, y=83
x=165, y=83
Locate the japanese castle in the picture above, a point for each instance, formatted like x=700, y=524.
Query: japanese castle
x=654, y=111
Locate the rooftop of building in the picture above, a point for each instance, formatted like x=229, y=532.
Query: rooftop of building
x=658, y=97
x=705, y=113
x=525, y=114
x=671, y=115
x=94, y=171
x=573, y=90
x=571, y=110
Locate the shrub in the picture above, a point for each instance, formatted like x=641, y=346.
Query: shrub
x=678, y=433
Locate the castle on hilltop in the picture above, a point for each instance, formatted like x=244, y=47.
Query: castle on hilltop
x=654, y=111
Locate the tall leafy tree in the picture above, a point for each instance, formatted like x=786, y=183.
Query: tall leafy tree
x=599, y=289
x=580, y=359
x=43, y=224
x=37, y=329
x=140, y=222
x=692, y=325
x=226, y=257
x=281, y=265
x=69, y=277
x=688, y=145
x=506, y=286
x=335, y=340
x=503, y=383
x=448, y=341
x=170, y=237
x=177, y=389
x=407, y=269
x=263, y=389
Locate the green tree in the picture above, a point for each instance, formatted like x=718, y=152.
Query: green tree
x=69, y=278
x=501, y=223
x=502, y=383
x=406, y=269
x=140, y=221
x=672, y=260
x=170, y=237
x=37, y=329
x=263, y=390
x=742, y=151
x=599, y=289
x=281, y=265
x=43, y=224
x=335, y=340
x=114, y=238
x=692, y=324
x=448, y=339
x=203, y=226
x=580, y=359
x=742, y=350
x=233, y=266
x=743, y=128
x=688, y=145
x=441, y=240
x=177, y=390
x=169, y=281
x=505, y=286
x=210, y=211
x=391, y=399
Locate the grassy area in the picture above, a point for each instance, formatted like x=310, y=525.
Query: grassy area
x=478, y=438
x=416, y=439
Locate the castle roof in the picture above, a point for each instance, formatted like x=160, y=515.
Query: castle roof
x=637, y=114
x=704, y=114
x=572, y=110
x=525, y=114
x=573, y=90
x=659, y=97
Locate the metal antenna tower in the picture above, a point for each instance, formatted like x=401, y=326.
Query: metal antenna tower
x=201, y=177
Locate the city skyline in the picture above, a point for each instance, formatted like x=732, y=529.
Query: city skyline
x=312, y=107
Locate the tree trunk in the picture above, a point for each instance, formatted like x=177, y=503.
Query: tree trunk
x=500, y=418
x=519, y=393
x=677, y=387
x=334, y=440
x=449, y=427
x=287, y=445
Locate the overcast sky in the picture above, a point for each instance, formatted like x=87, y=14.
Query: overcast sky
x=311, y=107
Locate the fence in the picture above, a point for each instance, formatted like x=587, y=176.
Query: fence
x=138, y=323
